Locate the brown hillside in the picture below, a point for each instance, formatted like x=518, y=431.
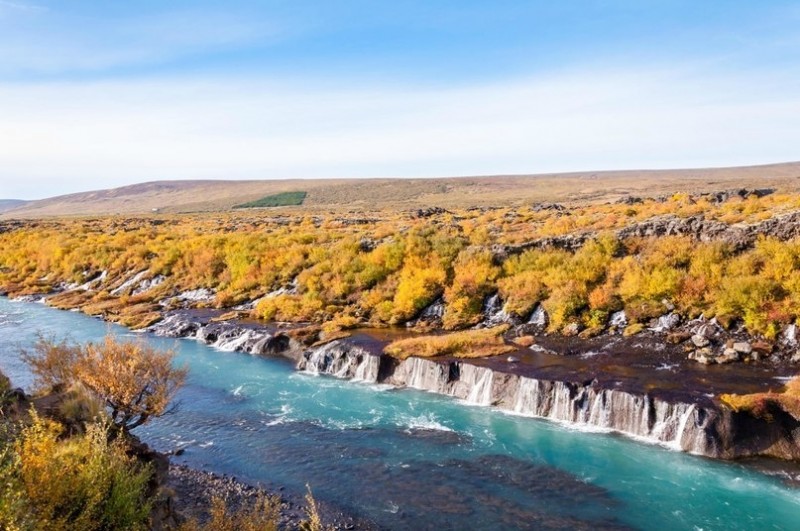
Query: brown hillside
x=368, y=194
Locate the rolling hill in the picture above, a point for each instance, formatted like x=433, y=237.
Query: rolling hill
x=371, y=194
x=9, y=204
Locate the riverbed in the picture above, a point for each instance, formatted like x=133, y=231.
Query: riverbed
x=407, y=459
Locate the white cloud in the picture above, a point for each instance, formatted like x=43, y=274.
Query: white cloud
x=60, y=137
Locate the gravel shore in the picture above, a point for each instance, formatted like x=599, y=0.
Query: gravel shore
x=193, y=490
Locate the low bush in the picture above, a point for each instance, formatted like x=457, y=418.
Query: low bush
x=464, y=344
x=760, y=404
x=84, y=482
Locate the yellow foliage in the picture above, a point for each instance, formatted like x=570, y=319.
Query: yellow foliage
x=419, y=284
x=464, y=344
x=388, y=270
x=81, y=483
x=136, y=381
x=761, y=404
x=474, y=277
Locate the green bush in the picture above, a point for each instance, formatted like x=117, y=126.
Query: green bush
x=275, y=200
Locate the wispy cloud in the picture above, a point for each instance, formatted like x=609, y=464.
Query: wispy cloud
x=19, y=6
x=64, y=42
x=103, y=94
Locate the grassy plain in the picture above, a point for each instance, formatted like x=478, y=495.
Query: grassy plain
x=343, y=195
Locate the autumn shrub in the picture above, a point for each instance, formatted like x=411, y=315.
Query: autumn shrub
x=259, y=514
x=420, y=282
x=291, y=308
x=80, y=483
x=135, y=381
x=262, y=514
x=474, y=278
x=565, y=303
x=751, y=297
x=522, y=292
x=388, y=270
x=79, y=406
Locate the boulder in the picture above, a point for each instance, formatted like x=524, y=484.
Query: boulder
x=729, y=355
x=762, y=347
x=704, y=359
x=667, y=322
x=742, y=347
x=676, y=338
x=618, y=320
x=700, y=341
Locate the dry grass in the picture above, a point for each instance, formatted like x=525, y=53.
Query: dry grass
x=760, y=404
x=465, y=344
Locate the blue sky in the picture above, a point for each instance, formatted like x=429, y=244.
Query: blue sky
x=101, y=94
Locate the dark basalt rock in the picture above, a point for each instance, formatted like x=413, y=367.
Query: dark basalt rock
x=429, y=212
x=740, y=237
x=549, y=207
x=625, y=385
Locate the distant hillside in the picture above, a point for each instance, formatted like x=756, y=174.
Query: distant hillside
x=367, y=194
x=8, y=204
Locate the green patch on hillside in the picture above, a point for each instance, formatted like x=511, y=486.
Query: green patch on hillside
x=274, y=200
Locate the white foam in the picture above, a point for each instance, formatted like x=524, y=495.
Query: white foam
x=425, y=422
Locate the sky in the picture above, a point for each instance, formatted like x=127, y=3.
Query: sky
x=102, y=94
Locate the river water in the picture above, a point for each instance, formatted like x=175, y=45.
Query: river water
x=407, y=459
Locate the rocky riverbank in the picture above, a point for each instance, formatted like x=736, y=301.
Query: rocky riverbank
x=192, y=491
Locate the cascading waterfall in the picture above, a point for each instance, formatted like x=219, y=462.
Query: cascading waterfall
x=341, y=360
x=675, y=425
x=367, y=371
x=233, y=342
x=424, y=374
x=480, y=393
x=680, y=426
x=672, y=424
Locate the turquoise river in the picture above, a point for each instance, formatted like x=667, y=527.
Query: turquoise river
x=407, y=459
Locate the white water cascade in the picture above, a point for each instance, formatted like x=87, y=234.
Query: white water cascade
x=677, y=425
x=342, y=360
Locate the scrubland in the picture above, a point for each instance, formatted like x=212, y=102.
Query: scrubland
x=384, y=268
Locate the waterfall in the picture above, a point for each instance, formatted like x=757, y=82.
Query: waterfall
x=481, y=388
x=242, y=340
x=125, y=286
x=676, y=425
x=341, y=360
x=425, y=374
x=176, y=325
x=367, y=370
x=528, y=396
x=685, y=416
